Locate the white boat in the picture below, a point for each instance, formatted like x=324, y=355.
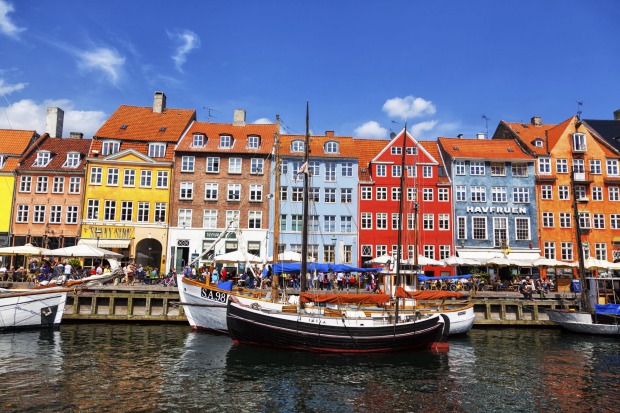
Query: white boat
x=26, y=309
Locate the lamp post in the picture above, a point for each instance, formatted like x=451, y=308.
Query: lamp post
x=98, y=235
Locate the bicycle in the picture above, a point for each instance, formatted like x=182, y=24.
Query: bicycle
x=167, y=282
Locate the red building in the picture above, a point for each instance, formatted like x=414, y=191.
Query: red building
x=427, y=202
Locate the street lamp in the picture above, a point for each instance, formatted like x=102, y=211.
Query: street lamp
x=98, y=235
x=334, y=246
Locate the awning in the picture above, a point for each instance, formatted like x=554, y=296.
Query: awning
x=615, y=239
x=106, y=243
x=484, y=255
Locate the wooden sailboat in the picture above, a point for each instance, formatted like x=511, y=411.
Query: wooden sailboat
x=321, y=329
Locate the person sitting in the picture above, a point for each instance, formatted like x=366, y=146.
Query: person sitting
x=526, y=289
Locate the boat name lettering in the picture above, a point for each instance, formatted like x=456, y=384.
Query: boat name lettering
x=26, y=310
x=496, y=210
x=462, y=312
x=217, y=296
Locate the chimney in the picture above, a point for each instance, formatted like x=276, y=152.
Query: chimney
x=536, y=120
x=480, y=135
x=76, y=135
x=239, y=117
x=53, y=122
x=329, y=133
x=460, y=136
x=617, y=115
x=159, y=102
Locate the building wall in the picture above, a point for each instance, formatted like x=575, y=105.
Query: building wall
x=7, y=183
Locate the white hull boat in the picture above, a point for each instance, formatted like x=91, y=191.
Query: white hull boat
x=29, y=309
x=581, y=322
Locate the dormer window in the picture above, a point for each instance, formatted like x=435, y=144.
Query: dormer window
x=123, y=127
x=199, y=140
x=297, y=146
x=110, y=147
x=73, y=160
x=157, y=150
x=253, y=142
x=43, y=158
x=579, y=142
x=225, y=141
x=331, y=147
x=538, y=142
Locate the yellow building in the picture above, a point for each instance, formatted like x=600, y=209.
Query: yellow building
x=128, y=181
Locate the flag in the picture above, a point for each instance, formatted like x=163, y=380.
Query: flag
x=303, y=169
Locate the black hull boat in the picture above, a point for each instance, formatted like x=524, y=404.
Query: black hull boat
x=320, y=332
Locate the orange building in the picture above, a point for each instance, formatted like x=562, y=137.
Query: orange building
x=575, y=170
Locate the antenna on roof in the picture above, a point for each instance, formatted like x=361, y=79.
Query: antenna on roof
x=486, y=119
x=579, y=111
x=209, y=110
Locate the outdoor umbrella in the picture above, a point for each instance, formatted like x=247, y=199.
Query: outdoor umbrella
x=456, y=261
x=27, y=249
x=422, y=261
x=592, y=263
x=548, y=262
x=382, y=259
x=238, y=256
x=289, y=256
x=503, y=262
x=82, y=250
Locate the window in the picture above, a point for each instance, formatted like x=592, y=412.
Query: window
x=284, y=193
x=461, y=227
x=427, y=194
x=561, y=166
x=314, y=168
x=232, y=219
x=427, y=171
x=500, y=232
x=580, y=191
x=599, y=221
x=412, y=194
x=444, y=252
x=396, y=171
x=612, y=167
x=498, y=169
x=25, y=183
x=256, y=193
x=186, y=190
x=144, y=209
x=330, y=195
x=396, y=150
x=297, y=195
x=346, y=195
x=428, y=222
x=256, y=166
x=253, y=141
x=22, y=213
x=255, y=219
x=346, y=223
x=565, y=220
x=73, y=160
x=188, y=163
x=410, y=221
x=584, y=220
x=411, y=171
x=381, y=193
x=234, y=165
x=563, y=192
x=126, y=210
x=226, y=141
x=444, y=222
x=43, y=158
x=112, y=177
x=459, y=167
x=600, y=250
x=92, y=209
x=478, y=194
x=74, y=185
x=160, y=212
x=614, y=193
x=519, y=170
x=330, y=171
x=211, y=190
x=329, y=223
x=567, y=251
x=331, y=147
x=381, y=170
x=521, y=195
x=145, y=179
x=347, y=168
x=546, y=192
x=213, y=165
x=366, y=193
x=544, y=166
x=198, y=140
x=411, y=150
x=522, y=226
x=381, y=250
x=499, y=194
x=234, y=192
x=429, y=252
x=58, y=185
x=72, y=214
x=395, y=220
x=157, y=150
x=129, y=177
x=96, y=174
x=395, y=193
x=549, y=250
x=442, y=195
x=595, y=166
x=283, y=222
x=381, y=220
x=479, y=225
x=579, y=142
x=110, y=147
x=548, y=220
x=477, y=168
x=55, y=214
x=185, y=218
x=41, y=184
x=109, y=210
x=579, y=165
x=597, y=193
x=367, y=220
x=162, y=179
x=298, y=146
x=614, y=221
x=461, y=193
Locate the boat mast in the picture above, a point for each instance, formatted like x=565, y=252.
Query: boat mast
x=584, y=296
x=399, y=242
x=304, y=220
x=276, y=195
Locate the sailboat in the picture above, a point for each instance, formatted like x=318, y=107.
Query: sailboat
x=600, y=296
x=323, y=329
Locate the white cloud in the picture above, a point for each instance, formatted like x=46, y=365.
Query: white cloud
x=408, y=107
x=372, y=130
x=103, y=59
x=262, y=121
x=418, y=130
x=6, y=25
x=29, y=115
x=6, y=89
x=188, y=41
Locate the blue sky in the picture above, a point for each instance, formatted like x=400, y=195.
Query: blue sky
x=364, y=66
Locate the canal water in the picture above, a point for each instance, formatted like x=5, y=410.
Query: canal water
x=169, y=368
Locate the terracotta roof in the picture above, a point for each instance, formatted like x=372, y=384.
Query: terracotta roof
x=432, y=147
x=10, y=165
x=137, y=123
x=367, y=150
x=483, y=148
x=528, y=133
x=239, y=134
x=142, y=147
x=59, y=149
x=347, y=147
x=554, y=134
x=15, y=142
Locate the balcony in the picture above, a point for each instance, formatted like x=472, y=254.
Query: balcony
x=546, y=178
x=582, y=177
